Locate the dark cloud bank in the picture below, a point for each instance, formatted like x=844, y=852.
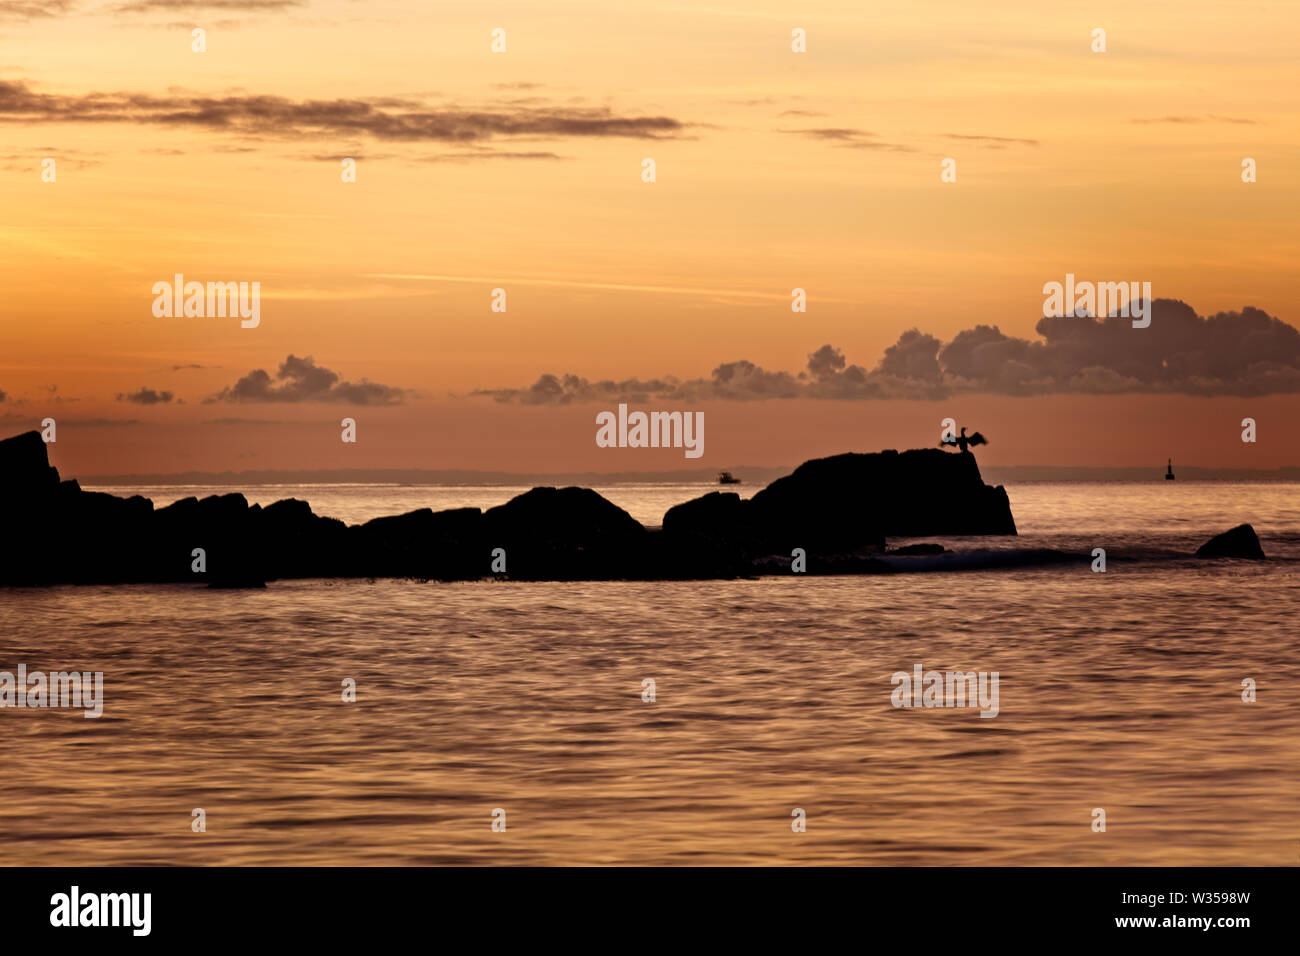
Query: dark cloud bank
x=385, y=118
x=302, y=380
x=1231, y=353
x=146, y=396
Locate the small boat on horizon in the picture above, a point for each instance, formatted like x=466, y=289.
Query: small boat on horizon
x=727, y=478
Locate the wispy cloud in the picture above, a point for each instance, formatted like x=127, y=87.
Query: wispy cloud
x=1207, y=118
x=254, y=6
x=34, y=9
x=31, y=160
x=34, y=423
x=581, y=284
x=847, y=138
x=993, y=142
x=470, y=156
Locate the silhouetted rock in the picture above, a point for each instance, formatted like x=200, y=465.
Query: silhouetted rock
x=1239, y=542
x=565, y=534
x=837, y=510
x=718, y=516
x=846, y=505
x=709, y=537
x=223, y=527
x=855, y=500
x=446, y=545
x=25, y=467
x=299, y=544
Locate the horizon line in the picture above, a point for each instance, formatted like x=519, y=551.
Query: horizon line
x=749, y=474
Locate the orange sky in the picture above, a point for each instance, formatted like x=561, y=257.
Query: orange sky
x=1114, y=166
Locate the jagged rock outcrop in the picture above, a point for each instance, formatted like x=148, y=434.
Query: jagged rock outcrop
x=25, y=468
x=837, y=510
x=1238, y=542
x=849, y=504
x=859, y=498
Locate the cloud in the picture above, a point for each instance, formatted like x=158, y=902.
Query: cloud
x=579, y=284
x=847, y=138
x=146, y=6
x=831, y=133
x=356, y=154
x=1243, y=353
x=31, y=422
x=384, y=118
x=146, y=396
x=32, y=159
x=302, y=380
x=570, y=390
x=478, y=154
x=992, y=142
x=33, y=9
x=913, y=358
x=51, y=396
x=1207, y=118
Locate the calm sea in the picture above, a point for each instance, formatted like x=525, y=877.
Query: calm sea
x=1119, y=691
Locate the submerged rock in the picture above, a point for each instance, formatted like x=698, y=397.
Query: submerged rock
x=980, y=560
x=1239, y=542
x=914, y=549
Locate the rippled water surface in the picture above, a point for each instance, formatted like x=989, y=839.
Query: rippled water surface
x=1119, y=690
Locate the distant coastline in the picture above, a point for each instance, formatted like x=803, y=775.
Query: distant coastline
x=749, y=475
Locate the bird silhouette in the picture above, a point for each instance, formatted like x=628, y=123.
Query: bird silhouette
x=962, y=441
